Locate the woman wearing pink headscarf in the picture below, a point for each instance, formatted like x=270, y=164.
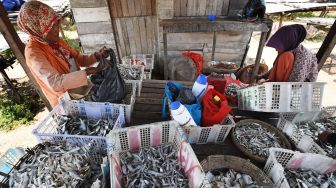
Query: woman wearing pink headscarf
x=53, y=63
x=294, y=62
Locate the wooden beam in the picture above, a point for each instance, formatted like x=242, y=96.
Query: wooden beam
x=258, y=57
x=204, y=25
x=327, y=46
x=15, y=43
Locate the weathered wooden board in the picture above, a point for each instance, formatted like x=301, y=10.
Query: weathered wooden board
x=100, y=14
x=201, y=7
x=94, y=28
x=207, y=37
x=97, y=39
x=88, y=3
x=136, y=35
x=133, y=8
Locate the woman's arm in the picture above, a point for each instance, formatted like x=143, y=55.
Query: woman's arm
x=40, y=65
x=81, y=59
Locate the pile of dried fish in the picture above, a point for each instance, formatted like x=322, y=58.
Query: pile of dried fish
x=153, y=167
x=256, y=139
x=309, y=178
x=78, y=126
x=313, y=129
x=231, y=178
x=56, y=166
x=129, y=72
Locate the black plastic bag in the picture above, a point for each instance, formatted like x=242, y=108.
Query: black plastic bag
x=112, y=86
x=186, y=96
x=254, y=8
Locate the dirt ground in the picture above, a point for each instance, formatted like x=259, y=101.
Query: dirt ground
x=23, y=137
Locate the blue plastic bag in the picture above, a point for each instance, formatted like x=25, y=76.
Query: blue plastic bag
x=195, y=110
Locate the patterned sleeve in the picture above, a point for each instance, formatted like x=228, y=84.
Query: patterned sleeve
x=305, y=66
x=82, y=60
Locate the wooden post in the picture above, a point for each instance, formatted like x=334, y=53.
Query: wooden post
x=259, y=53
x=165, y=58
x=214, y=46
x=15, y=43
x=326, y=47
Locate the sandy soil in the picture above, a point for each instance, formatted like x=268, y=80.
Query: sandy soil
x=23, y=136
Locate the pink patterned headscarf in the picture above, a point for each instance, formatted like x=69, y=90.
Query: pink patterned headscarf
x=36, y=19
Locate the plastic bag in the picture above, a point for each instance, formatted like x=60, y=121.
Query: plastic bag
x=198, y=60
x=171, y=93
x=112, y=87
x=214, y=112
x=231, y=88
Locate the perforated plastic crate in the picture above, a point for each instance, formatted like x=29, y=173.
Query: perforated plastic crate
x=127, y=107
x=302, y=142
x=214, y=134
x=8, y=161
x=46, y=129
x=148, y=75
x=139, y=81
x=281, y=159
x=133, y=138
x=282, y=97
x=297, y=117
x=140, y=59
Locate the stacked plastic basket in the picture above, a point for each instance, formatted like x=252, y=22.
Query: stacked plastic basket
x=131, y=139
x=47, y=129
x=281, y=159
x=127, y=106
x=282, y=97
x=146, y=60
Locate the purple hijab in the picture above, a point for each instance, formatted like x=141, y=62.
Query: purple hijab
x=287, y=37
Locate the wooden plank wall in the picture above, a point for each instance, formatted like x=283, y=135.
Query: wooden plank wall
x=94, y=24
x=132, y=8
x=137, y=35
x=230, y=45
x=183, y=8
x=135, y=26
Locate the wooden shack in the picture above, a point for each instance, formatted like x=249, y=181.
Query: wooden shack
x=146, y=26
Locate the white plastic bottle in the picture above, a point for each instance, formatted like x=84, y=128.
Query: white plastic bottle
x=181, y=114
x=200, y=86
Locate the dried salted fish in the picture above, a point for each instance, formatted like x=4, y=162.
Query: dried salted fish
x=256, y=139
x=218, y=179
x=58, y=165
x=314, y=128
x=309, y=178
x=129, y=72
x=153, y=167
x=78, y=126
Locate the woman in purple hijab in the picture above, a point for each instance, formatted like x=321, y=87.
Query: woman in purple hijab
x=294, y=62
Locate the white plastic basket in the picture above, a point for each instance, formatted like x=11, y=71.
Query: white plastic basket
x=148, y=75
x=127, y=108
x=214, y=134
x=279, y=159
x=282, y=97
x=302, y=142
x=140, y=59
x=155, y=134
x=46, y=129
x=139, y=81
x=295, y=117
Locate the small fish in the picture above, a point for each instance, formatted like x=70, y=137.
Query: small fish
x=57, y=165
x=309, y=178
x=79, y=126
x=256, y=139
x=153, y=167
x=229, y=179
